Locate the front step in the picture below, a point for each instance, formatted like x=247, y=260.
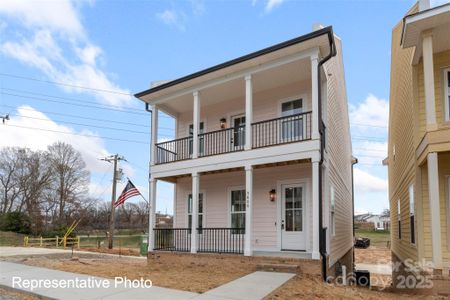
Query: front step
x=282, y=268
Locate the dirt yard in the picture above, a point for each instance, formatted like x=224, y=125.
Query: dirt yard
x=373, y=255
x=7, y=294
x=201, y=273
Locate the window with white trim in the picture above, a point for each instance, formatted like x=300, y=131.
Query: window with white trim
x=292, y=128
x=399, y=221
x=237, y=211
x=447, y=93
x=200, y=211
x=332, y=213
x=412, y=224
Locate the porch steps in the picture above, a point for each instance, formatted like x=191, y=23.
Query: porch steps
x=281, y=268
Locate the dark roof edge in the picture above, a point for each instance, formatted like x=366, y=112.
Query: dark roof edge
x=311, y=35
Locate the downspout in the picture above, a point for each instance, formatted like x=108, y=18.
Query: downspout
x=149, y=172
x=354, y=162
x=322, y=230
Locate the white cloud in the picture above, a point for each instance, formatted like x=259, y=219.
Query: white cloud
x=173, y=17
x=373, y=111
x=367, y=183
x=271, y=4
x=54, y=41
x=15, y=135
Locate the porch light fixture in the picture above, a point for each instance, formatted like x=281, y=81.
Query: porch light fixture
x=272, y=195
x=223, y=123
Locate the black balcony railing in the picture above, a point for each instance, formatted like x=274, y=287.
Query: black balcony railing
x=221, y=240
x=211, y=240
x=294, y=128
x=175, y=150
x=282, y=130
x=222, y=141
x=172, y=239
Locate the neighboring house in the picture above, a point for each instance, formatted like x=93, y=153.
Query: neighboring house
x=163, y=220
x=246, y=160
x=419, y=141
x=377, y=222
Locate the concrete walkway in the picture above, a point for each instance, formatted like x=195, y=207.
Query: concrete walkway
x=253, y=286
x=15, y=251
x=382, y=269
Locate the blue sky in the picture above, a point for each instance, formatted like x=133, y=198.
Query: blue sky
x=121, y=46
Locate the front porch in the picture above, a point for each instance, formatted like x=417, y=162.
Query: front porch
x=255, y=211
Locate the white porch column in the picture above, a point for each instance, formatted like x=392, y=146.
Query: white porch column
x=151, y=215
x=248, y=112
x=315, y=209
x=154, y=137
x=435, y=211
x=248, y=211
x=195, y=191
x=196, y=124
x=314, y=97
x=428, y=75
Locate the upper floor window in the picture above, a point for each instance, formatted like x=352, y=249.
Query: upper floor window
x=447, y=93
x=292, y=128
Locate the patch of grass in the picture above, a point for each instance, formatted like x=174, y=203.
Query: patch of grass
x=11, y=238
x=377, y=238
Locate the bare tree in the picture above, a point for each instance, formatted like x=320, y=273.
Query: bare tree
x=9, y=164
x=70, y=177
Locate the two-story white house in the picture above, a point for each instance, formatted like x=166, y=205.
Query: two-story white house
x=262, y=160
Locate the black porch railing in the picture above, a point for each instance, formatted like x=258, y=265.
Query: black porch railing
x=282, y=130
x=175, y=150
x=222, y=141
x=221, y=240
x=211, y=240
x=172, y=239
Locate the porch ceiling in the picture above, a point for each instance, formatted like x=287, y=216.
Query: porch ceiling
x=286, y=74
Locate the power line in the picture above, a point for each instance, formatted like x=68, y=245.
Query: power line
x=80, y=134
x=80, y=117
x=65, y=84
x=81, y=124
x=71, y=99
x=75, y=104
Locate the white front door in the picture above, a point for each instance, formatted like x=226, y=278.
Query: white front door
x=293, y=231
x=238, y=123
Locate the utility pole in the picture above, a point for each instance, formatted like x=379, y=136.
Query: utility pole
x=115, y=159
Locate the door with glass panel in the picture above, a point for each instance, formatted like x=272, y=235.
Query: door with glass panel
x=238, y=140
x=201, y=146
x=293, y=231
x=292, y=123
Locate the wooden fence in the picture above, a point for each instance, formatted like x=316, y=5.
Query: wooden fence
x=57, y=242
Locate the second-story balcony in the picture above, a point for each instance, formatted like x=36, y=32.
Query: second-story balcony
x=282, y=130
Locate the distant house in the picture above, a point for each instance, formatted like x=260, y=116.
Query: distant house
x=377, y=222
x=163, y=220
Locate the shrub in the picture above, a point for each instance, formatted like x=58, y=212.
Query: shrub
x=15, y=222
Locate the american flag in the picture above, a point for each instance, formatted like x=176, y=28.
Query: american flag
x=129, y=191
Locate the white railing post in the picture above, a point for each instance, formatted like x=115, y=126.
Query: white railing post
x=435, y=210
x=248, y=112
x=151, y=215
x=154, y=137
x=194, y=212
x=196, y=124
x=315, y=97
x=428, y=76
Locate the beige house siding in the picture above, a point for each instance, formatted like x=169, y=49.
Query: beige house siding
x=401, y=149
x=216, y=189
x=441, y=61
x=444, y=173
x=338, y=157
